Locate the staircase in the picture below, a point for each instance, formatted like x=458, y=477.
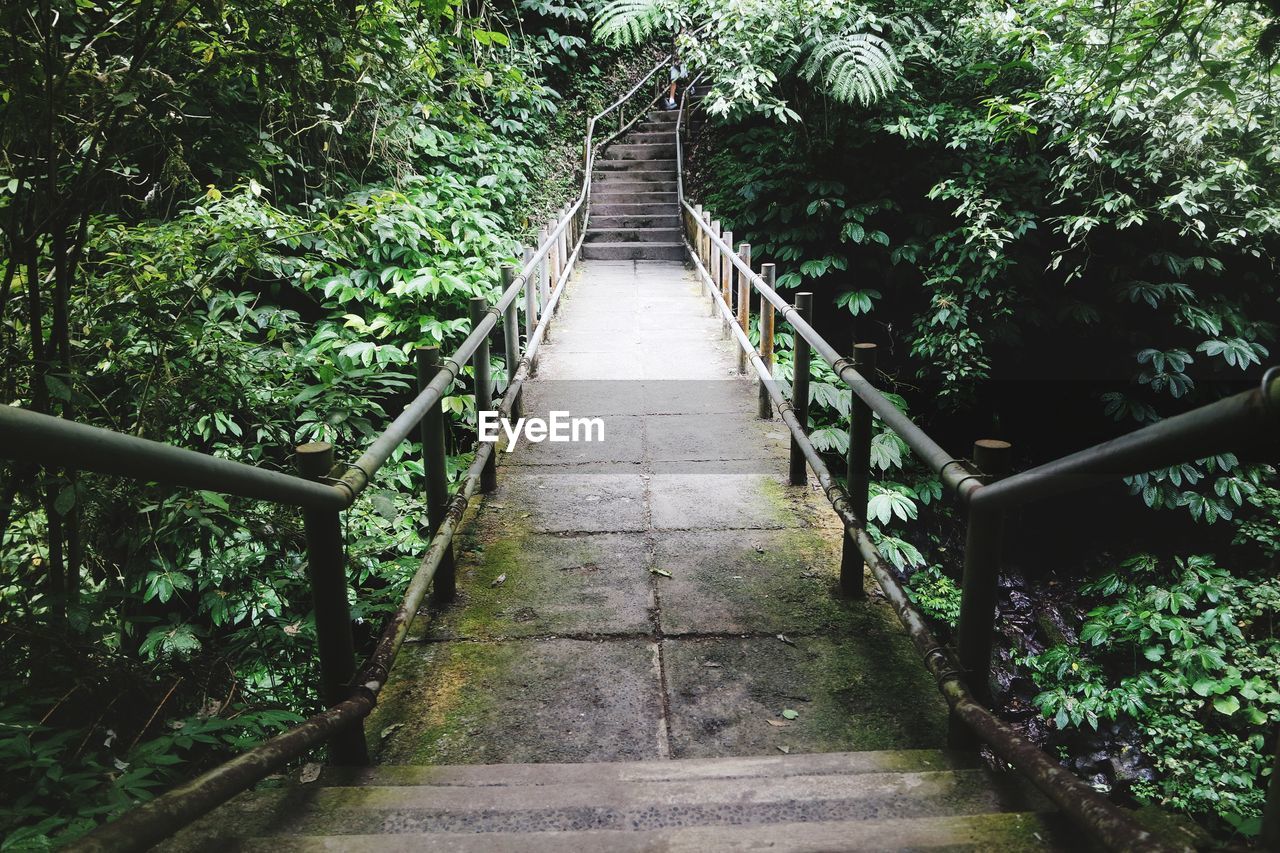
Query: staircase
x=887, y=800
x=634, y=212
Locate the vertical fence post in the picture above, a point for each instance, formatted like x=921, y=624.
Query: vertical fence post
x=1271, y=809
x=768, y=273
x=800, y=390
x=983, y=543
x=431, y=429
x=714, y=269
x=484, y=390
x=695, y=233
x=744, y=301
x=562, y=243
x=858, y=470
x=726, y=278
x=530, y=306
x=553, y=259
x=544, y=280
x=511, y=335
x=327, y=572
x=702, y=233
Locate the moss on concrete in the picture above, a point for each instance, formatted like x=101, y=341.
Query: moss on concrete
x=854, y=694
x=519, y=701
x=425, y=712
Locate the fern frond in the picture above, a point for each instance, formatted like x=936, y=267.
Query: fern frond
x=852, y=67
x=629, y=22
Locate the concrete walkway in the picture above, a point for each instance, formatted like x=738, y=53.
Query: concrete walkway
x=660, y=594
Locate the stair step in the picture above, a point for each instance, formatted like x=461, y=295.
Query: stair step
x=628, y=206
x=633, y=235
x=1007, y=832
x=636, y=188
x=610, y=797
x=607, y=203
x=662, y=116
x=633, y=251
x=633, y=220
x=661, y=151
x=685, y=769
x=622, y=176
x=643, y=136
x=664, y=165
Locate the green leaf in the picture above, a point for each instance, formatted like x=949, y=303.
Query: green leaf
x=216, y=499
x=1226, y=704
x=385, y=505
x=789, y=714
x=65, y=501
x=57, y=387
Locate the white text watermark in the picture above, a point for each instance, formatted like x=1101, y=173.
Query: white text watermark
x=559, y=426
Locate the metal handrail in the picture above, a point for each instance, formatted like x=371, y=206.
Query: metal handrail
x=155, y=820
x=1064, y=788
x=1239, y=420
x=54, y=441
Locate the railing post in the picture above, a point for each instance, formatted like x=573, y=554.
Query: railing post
x=511, y=336
x=744, y=301
x=768, y=273
x=714, y=268
x=705, y=240
x=431, y=429
x=530, y=307
x=695, y=233
x=327, y=571
x=726, y=278
x=544, y=280
x=484, y=390
x=983, y=543
x=553, y=261
x=858, y=470
x=800, y=390
x=1271, y=809
x=562, y=243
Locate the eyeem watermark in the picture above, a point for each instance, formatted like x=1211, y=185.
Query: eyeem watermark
x=558, y=427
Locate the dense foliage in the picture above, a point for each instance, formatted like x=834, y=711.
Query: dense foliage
x=227, y=226
x=1059, y=222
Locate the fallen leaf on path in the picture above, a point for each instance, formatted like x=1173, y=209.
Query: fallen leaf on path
x=711, y=664
x=786, y=750
x=663, y=572
x=777, y=724
x=789, y=714
x=784, y=638
x=310, y=773
x=390, y=730
x=499, y=580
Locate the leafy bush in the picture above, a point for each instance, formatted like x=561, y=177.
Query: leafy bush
x=264, y=209
x=1189, y=655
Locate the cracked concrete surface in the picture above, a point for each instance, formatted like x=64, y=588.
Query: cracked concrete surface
x=623, y=600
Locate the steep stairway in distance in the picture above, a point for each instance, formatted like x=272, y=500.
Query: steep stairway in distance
x=886, y=800
x=634, y=212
